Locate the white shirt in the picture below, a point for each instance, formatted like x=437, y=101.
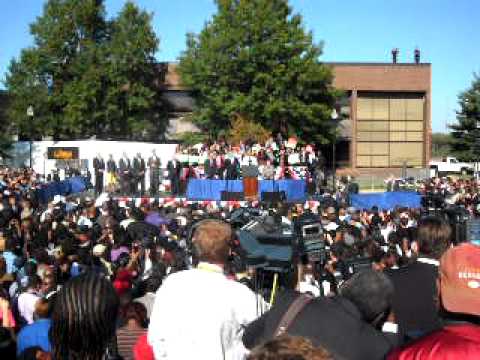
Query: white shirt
x=124, y=223
x=26, y=305
x=249, y=160
x=84, y=221
x=199, y=314
x=294, y=158
x=147, y=268
x=147, y=300
x=386, y=232
x=429, y=261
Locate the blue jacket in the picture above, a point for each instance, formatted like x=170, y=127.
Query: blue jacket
x=35, y=334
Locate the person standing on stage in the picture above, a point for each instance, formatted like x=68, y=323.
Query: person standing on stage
x=124, y=168
x=111, y=173
x=173, y=168
x=231, y=170
x=268, y=171
x=154, y=164
x=220, y=165
x=138, y=175
x=99, y=168
x=210, y=166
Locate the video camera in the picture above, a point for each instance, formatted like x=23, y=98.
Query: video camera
x=267, y=243
x=459, y=219
x=432, y=201
x=314, y=245
x=242, y=216
x=355, y=265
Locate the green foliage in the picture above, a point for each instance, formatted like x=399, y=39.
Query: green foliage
x=466, y=133
x=243, y=129
x=255, y=58
x=132, y=98
x=441, y=144
x=190, y=138
x=6, y=145
x=86, y=76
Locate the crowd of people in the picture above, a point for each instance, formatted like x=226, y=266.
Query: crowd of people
x=86, y=278
x=276, y=158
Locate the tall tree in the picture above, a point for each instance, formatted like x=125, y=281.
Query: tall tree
x=77, y=64
x=466, y=132
x=255, y=58
x=132, y=97
x=6, y=143
x=441, y=144
x=51, y=75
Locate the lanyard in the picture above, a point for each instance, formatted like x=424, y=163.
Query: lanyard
x=210, y=267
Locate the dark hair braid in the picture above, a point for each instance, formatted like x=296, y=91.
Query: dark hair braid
x=84, y=318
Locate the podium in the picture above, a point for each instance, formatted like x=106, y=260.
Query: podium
x=250, y=182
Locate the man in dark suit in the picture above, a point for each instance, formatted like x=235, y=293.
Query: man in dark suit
x=111, y=174
x=231, y=172
x=99, y=167
x=174, y=169
x=210, y=167
x=347, y=325
x=124, y=168
x=414, y=304
x=138, y=175
x=154, y=164
x=220, y=165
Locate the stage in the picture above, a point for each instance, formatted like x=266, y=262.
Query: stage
x=197, y=189
x=209, y=192
x=384, y=201
x=70, y=186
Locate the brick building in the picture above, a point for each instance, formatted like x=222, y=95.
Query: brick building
x=389, y=113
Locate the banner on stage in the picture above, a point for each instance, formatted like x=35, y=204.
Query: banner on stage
x=63, y=153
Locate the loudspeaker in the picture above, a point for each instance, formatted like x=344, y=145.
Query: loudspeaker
x=273, y=196
x=231, y=195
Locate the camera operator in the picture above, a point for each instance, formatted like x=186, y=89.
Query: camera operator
x=360, y=310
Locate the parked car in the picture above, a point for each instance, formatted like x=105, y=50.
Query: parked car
x=451, y=165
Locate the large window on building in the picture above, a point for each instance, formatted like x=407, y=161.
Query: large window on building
x=390, y=130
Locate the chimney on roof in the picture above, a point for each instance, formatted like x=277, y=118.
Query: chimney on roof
x=395, y=52
x=417, y=56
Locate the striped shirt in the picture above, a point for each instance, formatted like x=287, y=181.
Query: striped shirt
x=126, y=340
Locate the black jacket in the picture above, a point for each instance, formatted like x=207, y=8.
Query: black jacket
x=138, y=166
x=174, y=171
x=111, y=166
x=414, y=302
x=98, y=164
x=334, y=323
x=232, y=171
x=124, y=165
x=210, y=167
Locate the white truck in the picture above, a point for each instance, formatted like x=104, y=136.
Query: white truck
x=450, y=165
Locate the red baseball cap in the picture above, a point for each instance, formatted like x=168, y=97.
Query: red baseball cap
x=460, y=279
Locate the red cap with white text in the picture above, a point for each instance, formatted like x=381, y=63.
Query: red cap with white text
x=460, y=279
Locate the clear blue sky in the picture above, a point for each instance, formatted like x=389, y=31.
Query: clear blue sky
x=353, y=30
